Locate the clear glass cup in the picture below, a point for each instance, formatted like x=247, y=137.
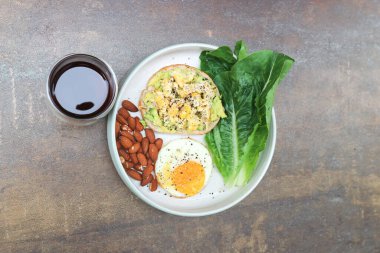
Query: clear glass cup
x=78, y=60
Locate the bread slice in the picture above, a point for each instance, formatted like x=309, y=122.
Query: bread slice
x=144, y=108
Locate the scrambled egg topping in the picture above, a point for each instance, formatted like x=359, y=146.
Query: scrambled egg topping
x=182, y=99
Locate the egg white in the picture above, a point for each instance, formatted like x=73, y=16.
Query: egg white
x=178, y=152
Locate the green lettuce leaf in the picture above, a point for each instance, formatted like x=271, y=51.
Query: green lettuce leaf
x=241, y=50
x=247, y=86
x=219, y=60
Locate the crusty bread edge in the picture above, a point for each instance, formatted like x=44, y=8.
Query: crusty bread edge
x=152, y=126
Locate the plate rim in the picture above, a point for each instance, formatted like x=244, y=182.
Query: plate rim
x=127, y=181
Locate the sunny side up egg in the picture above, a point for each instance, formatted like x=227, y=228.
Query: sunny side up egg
x=183, y=167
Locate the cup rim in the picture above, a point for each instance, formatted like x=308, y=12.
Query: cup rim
x=66, y=117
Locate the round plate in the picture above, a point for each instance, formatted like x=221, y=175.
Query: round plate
x=215, y=197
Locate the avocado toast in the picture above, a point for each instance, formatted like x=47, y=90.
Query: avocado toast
x=181, y=99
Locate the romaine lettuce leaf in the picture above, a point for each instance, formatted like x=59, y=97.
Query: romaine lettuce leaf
x=247, y=85
x=217, y=61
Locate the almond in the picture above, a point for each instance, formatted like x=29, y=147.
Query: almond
x=128, y=135
x=129, y=106
x=145, y=145
x=134, y=174
x=124, y=113
x=118, y=144
x=124, y=154
x=132, y=123
x=149, y=134
x=135, y=147
x=146, y=180
x=142, y=159
x=153, y=152
x=138, y=136
x=139, y=126
x=117, y=128
x=158, y=142
x=128, y=165
x=125, y=142
x=127, y=128
x=134, y=158
x=149, y=162
x=153, y=185
x=148, y=170
x=121, y=119
x=138, y=167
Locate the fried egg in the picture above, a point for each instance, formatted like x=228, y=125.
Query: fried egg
x=183, y=167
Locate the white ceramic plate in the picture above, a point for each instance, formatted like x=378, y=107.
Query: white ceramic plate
x=215, y=197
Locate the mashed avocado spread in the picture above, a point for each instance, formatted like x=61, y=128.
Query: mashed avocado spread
x=182, y=98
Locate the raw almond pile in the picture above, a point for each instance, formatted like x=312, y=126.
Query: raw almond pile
x=138, y=153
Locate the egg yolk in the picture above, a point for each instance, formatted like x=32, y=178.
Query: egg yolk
x=189, y=178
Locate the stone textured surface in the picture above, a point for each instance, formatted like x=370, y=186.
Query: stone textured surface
x=59, y=191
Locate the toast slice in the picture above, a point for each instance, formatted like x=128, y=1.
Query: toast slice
x=181, y=99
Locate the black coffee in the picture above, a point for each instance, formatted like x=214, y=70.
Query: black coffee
x=81, y=89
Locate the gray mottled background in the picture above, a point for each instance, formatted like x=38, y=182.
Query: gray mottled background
x=59, y=191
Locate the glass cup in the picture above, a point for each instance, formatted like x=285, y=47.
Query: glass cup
x=81, y=89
